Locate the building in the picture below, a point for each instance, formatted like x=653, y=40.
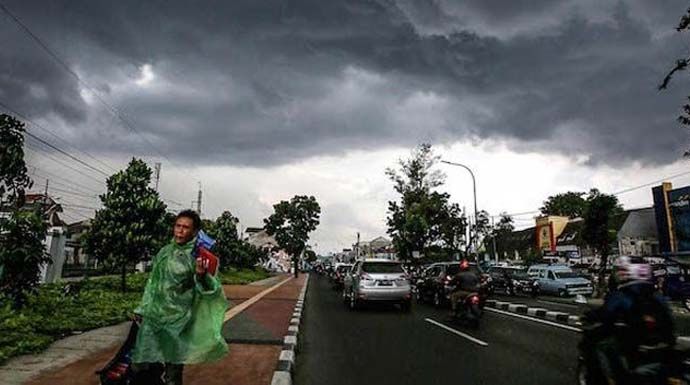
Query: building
x=74, y=252
x=380, y=247
x=279, y=259
x=638, y=235
x=672, y=212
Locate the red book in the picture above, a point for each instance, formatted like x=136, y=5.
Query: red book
x=208, y=260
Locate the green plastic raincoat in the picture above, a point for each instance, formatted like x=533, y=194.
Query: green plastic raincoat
x=182, y=317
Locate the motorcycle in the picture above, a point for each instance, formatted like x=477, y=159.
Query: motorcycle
x=470, y=310
x=645, y=364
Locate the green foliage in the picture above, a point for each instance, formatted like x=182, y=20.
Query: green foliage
x=292, y=221
x=599, y=231
x=57, y=310
x=233, y=276
x=132, y=223
x=13, y=173
x=570, y=204
x=681, y=64
x=224, y=230
x=21, y=254
x=22, y=232
x=246, y=255
x=423, y=219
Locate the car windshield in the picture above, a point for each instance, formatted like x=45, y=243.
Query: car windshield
x=382, y=267
x=566, y=274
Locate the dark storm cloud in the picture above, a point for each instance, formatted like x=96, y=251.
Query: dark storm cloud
x=262, y=82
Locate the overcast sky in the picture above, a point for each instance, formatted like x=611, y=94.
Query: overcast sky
x=262, y=100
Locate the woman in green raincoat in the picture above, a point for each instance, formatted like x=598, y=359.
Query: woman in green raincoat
x=182, y=310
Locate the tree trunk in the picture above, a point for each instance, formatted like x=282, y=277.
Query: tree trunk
x=124, y=275
x=603, y=284
x=295, y=261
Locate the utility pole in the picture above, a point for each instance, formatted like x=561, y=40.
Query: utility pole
x=198, y=201
x=493, y=238
x=157, y=173
x=45, y=194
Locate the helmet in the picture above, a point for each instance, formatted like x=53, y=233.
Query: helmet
x=464, y=265
x=628, y=269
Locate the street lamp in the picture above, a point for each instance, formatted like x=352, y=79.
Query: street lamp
x=474, y=189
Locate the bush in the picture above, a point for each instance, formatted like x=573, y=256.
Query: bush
x=60, y=309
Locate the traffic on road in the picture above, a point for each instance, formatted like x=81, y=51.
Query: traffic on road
x=381, y=334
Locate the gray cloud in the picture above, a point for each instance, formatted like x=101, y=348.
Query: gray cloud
x=258, y=83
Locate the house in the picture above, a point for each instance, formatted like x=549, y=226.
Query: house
x=380, y=247
x=279, y=259
x=55, y=235
x=638, y=235
x=74, y=253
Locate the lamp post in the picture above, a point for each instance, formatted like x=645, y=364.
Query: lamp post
x=474, y=190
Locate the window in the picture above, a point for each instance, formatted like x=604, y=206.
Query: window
x=382, y=267
x=551, y=275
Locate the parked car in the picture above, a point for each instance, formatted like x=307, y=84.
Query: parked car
x=560, y=280
x=513, y=280
x=434, y=284
x=339, y=275
x=377, y=280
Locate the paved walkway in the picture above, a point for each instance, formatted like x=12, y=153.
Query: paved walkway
x=252, y=358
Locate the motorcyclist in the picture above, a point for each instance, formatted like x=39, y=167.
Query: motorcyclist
x=465, y=282
x=632, y=303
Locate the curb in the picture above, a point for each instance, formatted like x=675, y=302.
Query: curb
x=286, y=361
x=536, y=312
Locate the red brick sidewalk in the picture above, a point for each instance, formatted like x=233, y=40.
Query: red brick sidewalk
x=246, y=364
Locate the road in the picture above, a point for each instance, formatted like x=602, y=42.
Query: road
x=381, y=345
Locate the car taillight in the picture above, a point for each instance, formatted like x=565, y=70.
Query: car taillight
x=474, y=300
x=649, y=321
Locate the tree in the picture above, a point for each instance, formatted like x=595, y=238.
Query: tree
x=22, y=232
x=13, y=174
x=501, y=231
x=224, y=230
x=680, y=65
x=570, y=204
x=128, y=229
x=599, y=231
x=423, y=219
x=481, y=228
x=291, y=223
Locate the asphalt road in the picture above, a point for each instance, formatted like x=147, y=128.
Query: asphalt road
x=381, y=345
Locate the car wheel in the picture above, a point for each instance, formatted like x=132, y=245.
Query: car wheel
x=686, y=303
x=561, y=293
x=437, y=299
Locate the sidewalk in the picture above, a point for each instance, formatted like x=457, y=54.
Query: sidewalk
x=254, y=337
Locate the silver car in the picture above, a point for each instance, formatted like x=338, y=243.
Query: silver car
x=377, y=280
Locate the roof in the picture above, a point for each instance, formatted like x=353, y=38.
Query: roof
x=640, y=223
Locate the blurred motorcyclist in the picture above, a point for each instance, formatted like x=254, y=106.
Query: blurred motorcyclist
x=465, y=282
x=632, y=303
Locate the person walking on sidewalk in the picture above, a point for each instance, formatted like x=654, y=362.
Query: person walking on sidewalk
x=182, y=310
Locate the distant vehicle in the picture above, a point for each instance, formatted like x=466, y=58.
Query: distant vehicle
x=339, y=275
x=513, y=280
x=434, y=284
x=560, y=280
x=674, y=281
x=377, y=280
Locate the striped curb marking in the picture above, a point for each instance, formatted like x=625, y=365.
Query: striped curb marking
x=537, y=312
x=286, y=361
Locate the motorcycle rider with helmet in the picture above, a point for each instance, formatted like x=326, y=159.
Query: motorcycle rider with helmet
x=645, y=319
x=466, y=282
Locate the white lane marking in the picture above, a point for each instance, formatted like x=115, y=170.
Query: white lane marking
x=566, y=327
x=461, y=334
x=558, y=303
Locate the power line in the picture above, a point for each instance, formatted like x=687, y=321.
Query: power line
x=60, y=180
x=66, y=67
x=50, y=132
x=62, y=163
x=67, y=154
x=652, y=183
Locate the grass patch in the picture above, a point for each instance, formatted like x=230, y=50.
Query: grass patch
x=60, y=309
x=233, y=276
